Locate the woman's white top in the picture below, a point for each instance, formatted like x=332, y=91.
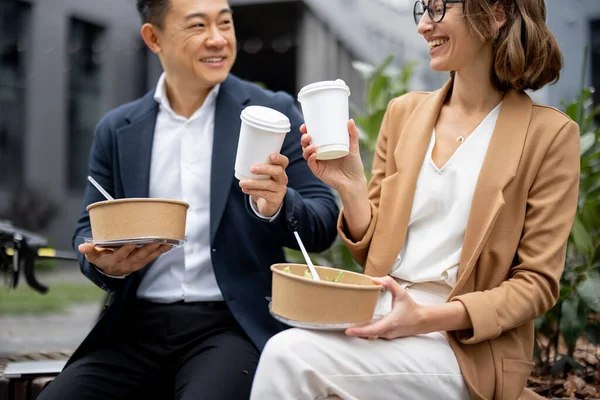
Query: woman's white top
x=440, y=209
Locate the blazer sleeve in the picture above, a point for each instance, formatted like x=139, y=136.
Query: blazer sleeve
x=359, y=249
x=101, y=169
x=534, y=283
x=309, y=206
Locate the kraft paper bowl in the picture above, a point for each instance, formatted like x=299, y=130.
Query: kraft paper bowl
x=133, y=218
x=350, y=300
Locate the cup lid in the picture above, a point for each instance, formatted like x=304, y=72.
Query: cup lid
x=266, y=118
x=323, y=85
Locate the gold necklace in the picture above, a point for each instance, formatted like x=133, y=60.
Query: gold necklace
x=461, y=138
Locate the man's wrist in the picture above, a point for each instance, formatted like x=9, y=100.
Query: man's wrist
x=254, y=208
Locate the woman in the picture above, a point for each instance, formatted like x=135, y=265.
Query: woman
x=472, y=197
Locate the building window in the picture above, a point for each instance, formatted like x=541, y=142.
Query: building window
x=14, y=43
x=595, y=61
x=85, y=52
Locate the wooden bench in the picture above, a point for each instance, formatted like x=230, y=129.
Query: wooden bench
x=28, y=386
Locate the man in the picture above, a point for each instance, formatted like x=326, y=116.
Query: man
x=190, y=322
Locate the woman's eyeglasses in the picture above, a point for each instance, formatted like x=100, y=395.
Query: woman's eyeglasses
x=436, y=9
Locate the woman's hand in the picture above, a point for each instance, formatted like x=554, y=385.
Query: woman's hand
x=405, y=319
x=344, y=174
x=347, y=176
x=408, y=318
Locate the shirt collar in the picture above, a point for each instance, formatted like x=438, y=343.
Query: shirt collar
x=160, y=95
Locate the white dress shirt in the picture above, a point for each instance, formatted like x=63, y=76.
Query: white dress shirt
x=180, y=169
x=440, y=209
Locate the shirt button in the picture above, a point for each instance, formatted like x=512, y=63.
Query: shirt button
x=214, y=250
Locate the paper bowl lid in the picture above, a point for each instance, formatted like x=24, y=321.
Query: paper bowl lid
x=324, y=85
x=266, y=118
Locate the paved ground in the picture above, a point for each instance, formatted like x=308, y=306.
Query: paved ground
x=62, y=332
x=51, y=332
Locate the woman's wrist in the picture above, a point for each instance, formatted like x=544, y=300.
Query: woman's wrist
x=451, y=316
x=353, y=190
x=357, y=210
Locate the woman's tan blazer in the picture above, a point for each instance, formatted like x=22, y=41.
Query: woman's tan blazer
x=515, y=241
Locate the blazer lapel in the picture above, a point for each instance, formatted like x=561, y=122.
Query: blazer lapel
x=398, y=190
x=230, y=102
x=135, y=147
x=498, y=170
x=134, y=143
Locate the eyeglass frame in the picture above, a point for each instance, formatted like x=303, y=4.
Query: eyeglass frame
x=427, y=9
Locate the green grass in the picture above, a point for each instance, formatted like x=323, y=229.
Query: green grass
x=45, y=266
x=59, y=298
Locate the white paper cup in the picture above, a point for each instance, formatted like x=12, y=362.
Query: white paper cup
x=325, y=109
x=261, y=134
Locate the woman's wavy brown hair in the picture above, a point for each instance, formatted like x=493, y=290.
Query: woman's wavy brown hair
x=526, y=53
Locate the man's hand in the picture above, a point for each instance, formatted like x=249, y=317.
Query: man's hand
x=268, y=193
x=124, y=260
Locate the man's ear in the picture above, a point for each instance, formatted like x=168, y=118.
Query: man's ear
x=150, y=35
x=499, y=15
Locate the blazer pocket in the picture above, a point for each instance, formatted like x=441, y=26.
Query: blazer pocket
x=514, y=377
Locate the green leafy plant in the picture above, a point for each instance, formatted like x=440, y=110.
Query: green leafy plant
x=575, y=314
x=384, y=83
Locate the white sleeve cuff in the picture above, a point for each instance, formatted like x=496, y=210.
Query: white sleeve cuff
x=258, y=214
x=110, y=276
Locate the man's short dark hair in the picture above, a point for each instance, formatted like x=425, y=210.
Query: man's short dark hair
x=153, y=11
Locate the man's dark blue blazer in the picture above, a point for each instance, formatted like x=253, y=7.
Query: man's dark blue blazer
x=243, y=245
